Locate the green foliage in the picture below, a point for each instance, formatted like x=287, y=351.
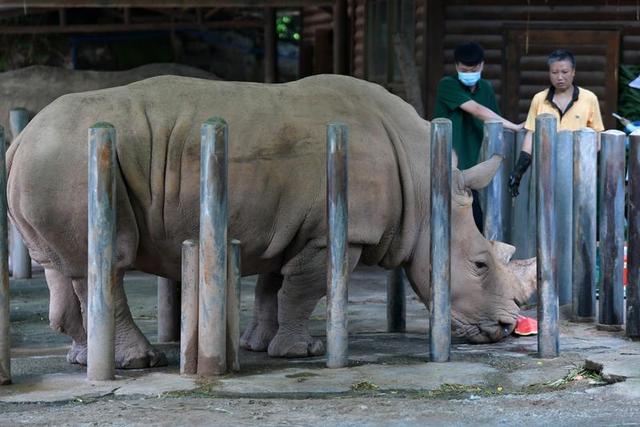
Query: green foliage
x=629, y=98
x=288, y=28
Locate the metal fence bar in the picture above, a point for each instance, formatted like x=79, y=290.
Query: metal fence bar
x=234, y=273
x=633, y=254
x=20, y=259
x=440, y=211
x=611, y=307
x=212, y=316
x=544, y=141
x=496, y=197
x=337, y=244
x=189, y=308
x=101, y=264
x=585, y=174
x=522, y=210
x=168, y=310
x=396, y=301
x=564, y=213
x=5, y=318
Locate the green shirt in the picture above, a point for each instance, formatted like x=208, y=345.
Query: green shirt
x=468, y=131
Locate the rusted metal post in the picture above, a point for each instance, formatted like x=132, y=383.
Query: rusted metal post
x=611, y=313
x=212, y=316
x=633, y=254
x=5, y=320
x=189, y=308
x=545, y=140
x=102, y=241
x=234, y=273
x=20, y=259
x=270, y=46
x=337, y=245
x=564, y=218
x=396, y=301
x=440, y=210
x=496, y=198
x=585, y=174
x=168, y=310
x=523, y=211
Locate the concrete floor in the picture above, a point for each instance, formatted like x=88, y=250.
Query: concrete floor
x=381, y=366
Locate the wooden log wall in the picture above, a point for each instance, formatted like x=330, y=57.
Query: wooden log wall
x=488, y=21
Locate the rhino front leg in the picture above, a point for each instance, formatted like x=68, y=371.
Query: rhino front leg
x=264, y=325
x=133, y=350
x=65, y=314
x=304, y=284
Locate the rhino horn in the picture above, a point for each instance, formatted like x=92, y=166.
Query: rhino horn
x=503, y=251
x=525, y=271
x=481, y=174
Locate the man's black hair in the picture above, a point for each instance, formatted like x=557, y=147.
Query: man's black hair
x=561, y=55
x=469, y=54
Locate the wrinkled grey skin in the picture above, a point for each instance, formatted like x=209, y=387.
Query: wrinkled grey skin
x=35, y=87
x=277, y=190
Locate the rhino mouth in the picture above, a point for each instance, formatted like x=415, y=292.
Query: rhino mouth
x=483, y=332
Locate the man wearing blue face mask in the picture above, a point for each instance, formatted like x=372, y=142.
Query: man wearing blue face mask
x=468, y=101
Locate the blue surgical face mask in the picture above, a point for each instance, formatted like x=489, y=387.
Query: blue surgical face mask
x=469, y=79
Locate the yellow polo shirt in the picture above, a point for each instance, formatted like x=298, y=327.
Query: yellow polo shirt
x=583, y=110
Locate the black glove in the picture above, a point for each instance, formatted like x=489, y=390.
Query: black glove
x=516, y=175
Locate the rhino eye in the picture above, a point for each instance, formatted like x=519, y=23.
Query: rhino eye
x=480, y=265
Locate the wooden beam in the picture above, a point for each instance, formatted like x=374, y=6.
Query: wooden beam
x=435, y=51
x=116, y=28
x=340, y=37
x=270, y=46
x=162, y=3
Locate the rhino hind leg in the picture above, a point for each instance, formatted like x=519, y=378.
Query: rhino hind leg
x=304, y=284
x=65, y=314
x=264, y=324
x=133, y=350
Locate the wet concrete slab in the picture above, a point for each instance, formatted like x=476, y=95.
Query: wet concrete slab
x=378, y=361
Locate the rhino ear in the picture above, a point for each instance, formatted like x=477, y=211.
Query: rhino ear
x=503, y=251
x=481, y=174
x=454, y=159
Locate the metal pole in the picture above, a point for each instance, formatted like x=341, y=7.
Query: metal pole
x=337, y=245
x=189, y=303
x=532, y=203
x=611, y=313
x=440, y=210
x=564, y=216
x=508, y=162
x=168, y=310
x=102, y=241
x=521, y=212
x=548, y=333
x=396, y=301
x=233, y=306
x=585, y=174
x=212, y=316
x=495, y=194
x=270, y=46
x=20, y=259
x=5, y=318
x=633, y=254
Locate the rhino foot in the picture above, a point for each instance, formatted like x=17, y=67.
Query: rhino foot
x=295, y=345
x=258, y=335
x=138, y=357
x=77, y=353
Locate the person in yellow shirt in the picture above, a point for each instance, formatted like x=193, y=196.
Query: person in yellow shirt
x=574, y=108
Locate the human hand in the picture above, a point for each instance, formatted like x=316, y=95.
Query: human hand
x=514, y=183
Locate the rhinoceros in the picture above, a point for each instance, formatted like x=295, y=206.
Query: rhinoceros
x=35, y=87
x=277, y=182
